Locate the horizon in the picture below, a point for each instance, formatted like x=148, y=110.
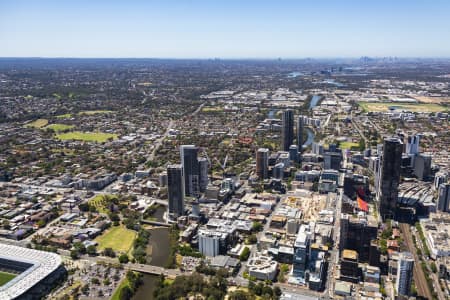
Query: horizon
x=207, y=30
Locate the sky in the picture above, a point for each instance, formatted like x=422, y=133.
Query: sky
x=225, y=28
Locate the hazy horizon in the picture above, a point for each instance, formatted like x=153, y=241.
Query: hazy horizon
x=204, y=29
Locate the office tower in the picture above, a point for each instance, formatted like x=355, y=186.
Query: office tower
x=278, y=171
x=422, y=166
x=293, y=153
x=374, y=254
x=300, y=133
x=175, y=189
x=412, y=146
x=405, y=267
x=317, y=148
x=349, y=266
x=287, y=130
x=262, y=163
x=191, y=170
x=444, y=197
x=204, y=167
x=439, y=178
x=301, y=250
x=332, y=160
x=357, y=234
x=389, y=176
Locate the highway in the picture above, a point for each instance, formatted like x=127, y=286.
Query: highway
x=419, y=276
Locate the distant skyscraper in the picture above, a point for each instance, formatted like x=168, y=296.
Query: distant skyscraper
x=262, y=163
x=300, y=133
x=287, y=129
x=444, y=197
x=175, y=189
x=389, y=176
x=203, y=166
x=404, y=273
x=412, y=146
x=191, y=170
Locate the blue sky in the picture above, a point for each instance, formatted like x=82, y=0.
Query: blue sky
x=226, y=28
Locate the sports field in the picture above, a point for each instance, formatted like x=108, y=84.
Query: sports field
x=64, y=116
x=6, y=277
x=212, y=109
x=59, y=127
x=99, y=137
x=413, y=107
x=39, y=123
x=94, y=112
x=347, y=145
x=119, y=238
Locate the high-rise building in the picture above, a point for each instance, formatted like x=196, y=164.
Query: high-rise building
x=293, y=153
x=422, y=166
x=191, y=170
x=203, y=166
x=287, y=130
x=404, y=273
x=300, y=133
x=440, y=178
x=444, y=197
x=301, y=250
x=412, y=146
x=389, y=176
x=262, y=163
x=332, y=160
x=349, y=266
x=175, y=189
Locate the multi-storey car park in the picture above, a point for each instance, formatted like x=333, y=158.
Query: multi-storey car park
x=37, y=272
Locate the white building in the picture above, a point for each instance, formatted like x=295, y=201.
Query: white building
x=262, y=267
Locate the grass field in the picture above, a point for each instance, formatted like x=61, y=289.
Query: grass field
x=119, y=238
x=6, y=277
x=413, y=107
x=94, y=112
x=101, y=202
x=347, y=145
x=99, y=137
x=212, y=109
x=59, y=127
x=64, y=116
x=39, y=123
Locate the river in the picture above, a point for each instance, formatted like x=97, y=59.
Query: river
x=158, y=247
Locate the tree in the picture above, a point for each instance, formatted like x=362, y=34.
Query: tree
x=245, y=254
x=257, y=227
x=240, y=295
x=109, y=252
x=74, y=254
x=91, y=250
x=125, y=293
x=252, y=239
x=123, y=258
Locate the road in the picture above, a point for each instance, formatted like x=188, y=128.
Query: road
x=419, y=276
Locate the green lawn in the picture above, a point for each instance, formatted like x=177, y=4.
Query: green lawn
x=94, y=112
x=6, y=277
x=100, y=137
x=413, y=107
x=64, y=116
x=101, y=202
x=60, y=127
x=119, y=238
x=123, y=283
x=347, y=145
x=39, y=123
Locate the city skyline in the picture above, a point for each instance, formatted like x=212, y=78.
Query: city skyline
x=202, y=29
